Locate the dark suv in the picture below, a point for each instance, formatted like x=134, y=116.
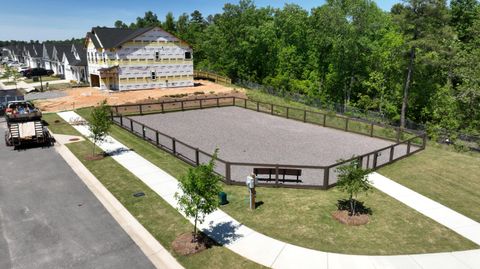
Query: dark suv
x=37, y=72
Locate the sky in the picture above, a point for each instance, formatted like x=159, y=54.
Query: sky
x=64, y=19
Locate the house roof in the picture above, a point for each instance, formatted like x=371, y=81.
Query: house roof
x=104, y=37
x=82, y=54
x=49, y=49
x=62, y=48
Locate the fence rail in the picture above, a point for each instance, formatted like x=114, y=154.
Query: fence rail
x=321, y=177
x=212, y=76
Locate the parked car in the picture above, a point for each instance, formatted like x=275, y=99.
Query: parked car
x=22, y=69
x=36, y=72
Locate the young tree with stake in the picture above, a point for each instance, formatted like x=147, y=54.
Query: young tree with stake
x=99, y=123
x=199, y=192
x=352, y=179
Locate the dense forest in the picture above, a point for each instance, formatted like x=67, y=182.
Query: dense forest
x=20, y=42
x=419, y=61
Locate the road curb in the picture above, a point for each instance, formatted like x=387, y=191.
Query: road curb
x=153, y=250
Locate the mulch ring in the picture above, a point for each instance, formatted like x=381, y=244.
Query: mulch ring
x=343, y=217
x=183, y=244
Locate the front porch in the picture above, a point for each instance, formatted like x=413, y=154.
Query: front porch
x=108, y=79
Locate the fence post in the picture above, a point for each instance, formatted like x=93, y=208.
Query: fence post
x=288, y=109
x=424, y=143
x=181, y=103
x=156, y=138
x=276, y=175
x=371, y=129
x=162, y=107
x=218, y=102
x=143, y=131
x=346, y=124
x=140, y=109
x=245, y=104
x=258, y=106
x=304, y=116
x=121, y=120
x=375, y=157
x=174, y=147
x=116, y=110
x=398, y=135
x=227, y=172
x=201, y=103
x=131, y=125
x=324, y=120
x=271, y=109
x=326, y=177
x=408, y=147
x=392, y=149
x=197, y=157
x=360, y=162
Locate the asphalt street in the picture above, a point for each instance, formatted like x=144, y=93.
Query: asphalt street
x=49, y=218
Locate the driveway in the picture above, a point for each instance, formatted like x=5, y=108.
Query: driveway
x=49, y=218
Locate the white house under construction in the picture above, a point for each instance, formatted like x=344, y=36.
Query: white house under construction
x=132, y=59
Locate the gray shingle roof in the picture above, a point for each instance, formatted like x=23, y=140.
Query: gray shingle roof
x=114, y=37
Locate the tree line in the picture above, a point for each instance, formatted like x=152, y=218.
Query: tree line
x=418, y=61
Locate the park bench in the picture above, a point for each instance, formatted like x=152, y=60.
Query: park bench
x=282, y=173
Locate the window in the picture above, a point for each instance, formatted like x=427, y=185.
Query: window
x=157, y=55
x=154, y=75
x=188, y=55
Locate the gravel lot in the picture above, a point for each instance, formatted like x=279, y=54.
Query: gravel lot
x=45, y=95
x=247, y=136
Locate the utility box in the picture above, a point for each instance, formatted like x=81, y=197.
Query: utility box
x=223, y=198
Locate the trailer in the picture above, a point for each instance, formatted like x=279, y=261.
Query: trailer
x=25, y=125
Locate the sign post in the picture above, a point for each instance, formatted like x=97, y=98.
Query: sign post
x=251, y=182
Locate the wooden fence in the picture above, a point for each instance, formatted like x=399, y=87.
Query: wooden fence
x=211, y=76
x=323, y=177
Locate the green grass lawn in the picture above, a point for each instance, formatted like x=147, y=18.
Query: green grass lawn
x=448, y=177
x=57, y=86
x=44, y=79
x=158, y=217
x=303, y=217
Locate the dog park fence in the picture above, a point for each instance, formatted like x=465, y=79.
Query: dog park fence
x=321, y=177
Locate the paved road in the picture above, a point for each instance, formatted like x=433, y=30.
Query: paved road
x=49, y=218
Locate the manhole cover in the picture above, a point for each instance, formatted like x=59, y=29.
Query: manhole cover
x=139, y=194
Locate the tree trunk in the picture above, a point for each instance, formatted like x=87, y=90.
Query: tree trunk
x=352, y=210
x=407, y=86
x=195, y=229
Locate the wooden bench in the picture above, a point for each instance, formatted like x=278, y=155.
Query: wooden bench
x=282, y=172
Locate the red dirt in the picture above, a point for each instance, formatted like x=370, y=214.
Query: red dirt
x=87, y=97
x=183, y=244
x=343, y=217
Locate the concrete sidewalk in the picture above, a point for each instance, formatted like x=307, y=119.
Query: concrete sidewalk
x=453, y=220
x=263, y=249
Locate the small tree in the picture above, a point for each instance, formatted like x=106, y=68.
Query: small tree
x=12, y=74
x=352, y=179
x=200, y=187
x=99, y=123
